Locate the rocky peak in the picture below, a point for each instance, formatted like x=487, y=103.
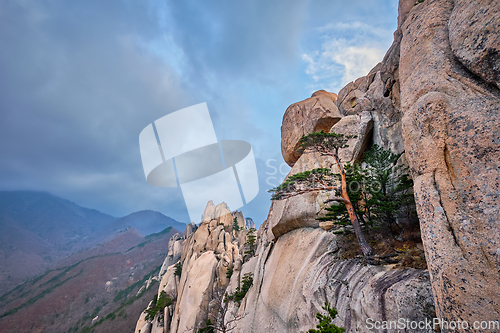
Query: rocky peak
x=208, y=259
x=213, y=211
x=249, y=223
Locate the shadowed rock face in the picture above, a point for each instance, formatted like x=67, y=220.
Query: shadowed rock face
x=360, y=126
x=451, y=128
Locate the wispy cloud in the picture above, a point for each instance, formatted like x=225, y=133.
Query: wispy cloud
x=348, y=51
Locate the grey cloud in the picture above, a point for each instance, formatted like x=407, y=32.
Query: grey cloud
x=81, y=79
x=76, y=91
x=247, y=39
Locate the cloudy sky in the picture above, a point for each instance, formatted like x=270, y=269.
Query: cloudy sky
x=79, y=80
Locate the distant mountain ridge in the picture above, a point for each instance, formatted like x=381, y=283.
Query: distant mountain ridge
x=148, y=222
x=115, y=279
x=42, y=213
x=38, y=229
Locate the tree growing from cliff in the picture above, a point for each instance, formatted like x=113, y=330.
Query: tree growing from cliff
x=157, y=305
x=325, y=321
x=178, y=269
x=379, y=190
x=250, y=243
x=218, y=318
x=240, y=292
x=338, y=213
x=386, y=186
x=236, y=227
x=322, y=179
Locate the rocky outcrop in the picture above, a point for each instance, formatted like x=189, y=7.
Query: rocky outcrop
x=190, y=228
x=294, y=277
x=174, y=252
x=314, y=114
x=450, y=101
x=249, y=223
x=205, y=256
x=435, y=95
x=194, y=291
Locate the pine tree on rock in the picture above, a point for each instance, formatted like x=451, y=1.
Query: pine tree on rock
x=236, y=227
x=322, y=179
x=390, y=186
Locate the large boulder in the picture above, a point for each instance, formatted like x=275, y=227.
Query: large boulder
x=314, y=114
x=451, y=104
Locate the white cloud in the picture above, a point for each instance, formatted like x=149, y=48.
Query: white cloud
x=348, y=51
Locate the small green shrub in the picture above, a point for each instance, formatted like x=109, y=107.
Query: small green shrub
x=178, y=269
x=241, y=292
x=325, y=321
x=157, y=306
x=85, y=329
x=229, y=272
x=111, y=316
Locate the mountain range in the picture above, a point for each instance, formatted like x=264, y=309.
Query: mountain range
x=104, y=288
x=38, y=229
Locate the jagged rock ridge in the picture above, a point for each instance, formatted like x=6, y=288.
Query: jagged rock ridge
x=292, y=278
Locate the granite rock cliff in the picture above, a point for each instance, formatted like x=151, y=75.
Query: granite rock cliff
x=292, y=278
